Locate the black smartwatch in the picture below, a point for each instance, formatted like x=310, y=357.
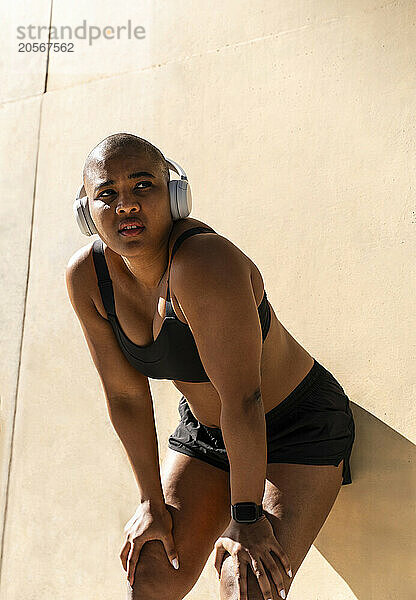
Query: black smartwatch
x=246, y=512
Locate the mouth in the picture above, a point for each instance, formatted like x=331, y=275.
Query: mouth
x=131, y=229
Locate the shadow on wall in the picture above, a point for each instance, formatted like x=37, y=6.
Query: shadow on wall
x=369, y=537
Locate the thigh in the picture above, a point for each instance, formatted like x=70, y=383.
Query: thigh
x=197, y=496
x=297, y=500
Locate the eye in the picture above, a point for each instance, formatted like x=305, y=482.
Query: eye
x=107, y=193
x=141, y=182
x=101, y=194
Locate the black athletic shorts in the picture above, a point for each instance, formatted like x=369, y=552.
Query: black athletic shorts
x=313, y=425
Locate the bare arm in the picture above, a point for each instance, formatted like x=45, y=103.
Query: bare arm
x=135, y=427
x=244, y=432
x=213, y=287
x=127, y=391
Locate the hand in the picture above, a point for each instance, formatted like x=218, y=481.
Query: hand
x=251, y=543
x=146, y=524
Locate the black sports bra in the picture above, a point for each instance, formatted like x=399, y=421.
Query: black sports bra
x=173, y=354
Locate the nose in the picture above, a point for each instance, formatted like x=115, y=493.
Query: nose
x=127, y=205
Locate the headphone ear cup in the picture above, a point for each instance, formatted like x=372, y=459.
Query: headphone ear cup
x=180, y=198
x=83, y=216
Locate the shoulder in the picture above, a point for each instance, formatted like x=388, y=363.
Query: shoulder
x=208, y=258
x=78, y=272
x=203, y=245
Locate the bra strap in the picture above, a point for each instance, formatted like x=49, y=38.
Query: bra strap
x=103, y=276
x=178, y=242
x=264, y=315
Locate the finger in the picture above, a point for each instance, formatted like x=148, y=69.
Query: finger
x=124, y=554
x=275, y=573
x=130, y=522
x=219, y=557
x=127, y=525
x=171, y=551
x=240, y=568
x=262, y=579
x=237, y=574
x=284, y=559
x=132, y=561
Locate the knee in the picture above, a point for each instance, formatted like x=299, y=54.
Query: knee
x=229, y=588
x=155, y=578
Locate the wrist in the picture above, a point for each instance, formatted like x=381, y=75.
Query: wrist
x=238, y=525
x=246, y=512
x=153, y=504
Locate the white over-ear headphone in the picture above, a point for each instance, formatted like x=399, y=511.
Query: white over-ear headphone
x=179, y=192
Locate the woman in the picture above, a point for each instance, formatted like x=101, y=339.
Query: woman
x=265, y=435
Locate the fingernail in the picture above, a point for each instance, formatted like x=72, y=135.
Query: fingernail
x=290, y=572
x=282, y=593
x=175, y=563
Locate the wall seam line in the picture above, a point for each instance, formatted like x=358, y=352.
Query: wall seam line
x=16, y=391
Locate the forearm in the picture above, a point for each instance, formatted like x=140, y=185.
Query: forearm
x=243, y=428
x=135, y=426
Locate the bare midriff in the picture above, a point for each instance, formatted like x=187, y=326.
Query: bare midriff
x=284, y=364
x=284, y=361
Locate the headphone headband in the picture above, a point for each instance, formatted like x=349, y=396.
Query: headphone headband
x=177, y=168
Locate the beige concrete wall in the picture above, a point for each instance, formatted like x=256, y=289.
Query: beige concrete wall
x=295, y=122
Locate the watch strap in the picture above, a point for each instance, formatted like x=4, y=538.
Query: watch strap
x=246, y=512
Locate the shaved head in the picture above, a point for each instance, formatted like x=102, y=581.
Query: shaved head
x=118, y=143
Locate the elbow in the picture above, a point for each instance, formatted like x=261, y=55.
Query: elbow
x=122, y=405
x=242, y=402
x=254, y=397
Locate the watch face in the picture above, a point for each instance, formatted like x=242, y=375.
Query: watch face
x=246, y=511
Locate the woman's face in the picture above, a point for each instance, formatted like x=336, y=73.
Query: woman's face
x=125, y=186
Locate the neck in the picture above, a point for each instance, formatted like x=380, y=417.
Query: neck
x=148, y=269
